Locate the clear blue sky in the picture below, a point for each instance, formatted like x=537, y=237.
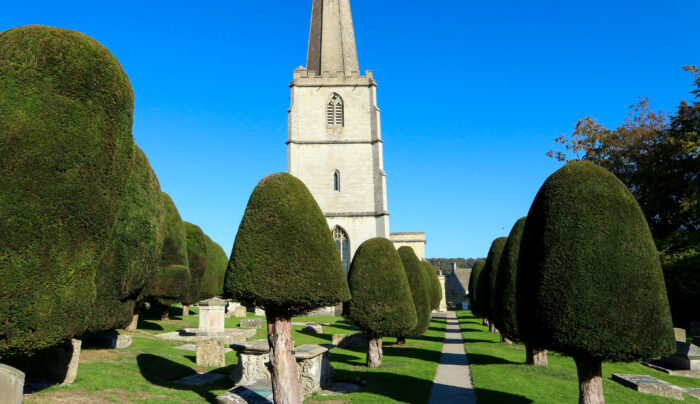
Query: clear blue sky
x=472, y=94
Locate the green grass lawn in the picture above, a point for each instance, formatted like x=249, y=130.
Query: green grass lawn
x=500, y=375
x=145, y=371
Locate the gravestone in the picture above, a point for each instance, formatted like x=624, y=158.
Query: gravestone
x=680, y=334
x=211, y=352
x=61, y=362
x=11, y=385
x=235, y=309
x=351, y=341
x=649, y=385
x=251, y=323
x=211, y=315
x=259, y=312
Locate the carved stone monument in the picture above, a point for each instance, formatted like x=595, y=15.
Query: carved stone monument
x=211, y=315
x=211, y=352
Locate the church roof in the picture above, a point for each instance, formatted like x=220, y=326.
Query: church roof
x=332, y=38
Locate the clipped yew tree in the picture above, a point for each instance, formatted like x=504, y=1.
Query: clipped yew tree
x=171, y=282
x=212, y=283
x=589, y=279
x=477, y=269
x=197, y=260
x=284, y=260
x=133, y=253
x=504, y=314
x=66, y=113
x=435, y=290
x=381, y=298
x=487, y=281
x=418, y=282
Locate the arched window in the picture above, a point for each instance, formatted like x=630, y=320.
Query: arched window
x=334, y=111
x=336, y=181
x=343, y=244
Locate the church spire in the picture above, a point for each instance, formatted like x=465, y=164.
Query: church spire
x=332, y=39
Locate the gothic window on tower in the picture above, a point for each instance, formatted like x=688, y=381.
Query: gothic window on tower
x=343, y=244
x=334, y=112
x=336, y=181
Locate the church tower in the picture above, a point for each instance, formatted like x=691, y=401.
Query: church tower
x=335, y=142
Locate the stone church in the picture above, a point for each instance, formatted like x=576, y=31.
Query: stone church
x=335, y=141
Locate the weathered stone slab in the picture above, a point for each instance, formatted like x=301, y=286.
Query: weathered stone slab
x=658, y=365
x=313, y=328
x=11, y=385
x=61, y=362
x=351, y=341
x=692, y=392
x=680, y=334
x=649, y=385
x=212, y=315
x=201, y=379
x=228, y=337
x=258, y=393
x=251, y=323
x=210, y=352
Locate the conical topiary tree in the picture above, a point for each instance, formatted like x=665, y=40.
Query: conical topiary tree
x=171, y=282
x=487, y=280
x=284, y=260
x=477, y=269
x=418, y=282
x=435, y=290
x=213, y=280
x=504, y=314
x=66, y=113
x=197, y=260
x=589, y=279
x=132, y=257
x=381, y=298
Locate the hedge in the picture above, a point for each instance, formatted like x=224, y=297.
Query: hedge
x=213, y=280
x=197, y=260
x=504, y=314
x=477, y=269
x=418, y=282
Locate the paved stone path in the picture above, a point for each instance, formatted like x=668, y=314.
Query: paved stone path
x=453, y=381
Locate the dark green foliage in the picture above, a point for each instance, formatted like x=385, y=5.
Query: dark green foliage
x=487, y=278
x=680, y=260
x=504, y=314
x=171, y=282
x=213, y=280
x=284, y=258
x=66, y=112
x=381, y=303
x=434, y=289
x=477, y=269
x=418, y=282
x=197, y=259
x=132, y=257
x=589, y=279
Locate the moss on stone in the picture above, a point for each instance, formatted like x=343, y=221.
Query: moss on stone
x=284, y=258
x=589, y=279
x=418, y=282
x=381, y=298
x=66, y=113
x=504, y=314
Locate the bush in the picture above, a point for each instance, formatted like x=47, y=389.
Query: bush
x=477, y=269
x=197, y=259
x=284, y=258
x=170, y=284
x=589, y=281
x=504, y=314
x=487, y=278
x=213, y=279
x=418, y=282
x=435, y=290
x=66, y=112
x=680, y=260
x=381, y=303
x=132, y=257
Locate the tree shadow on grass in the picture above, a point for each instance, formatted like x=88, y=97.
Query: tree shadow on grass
x=480, y=359
x=492, y=396
x=164, y=372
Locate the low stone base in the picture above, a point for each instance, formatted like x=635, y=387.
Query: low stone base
x=251, y=323
x=351, y=341
x=61, y=362
x=649, y=385
x=11, y=385
x=210, y=352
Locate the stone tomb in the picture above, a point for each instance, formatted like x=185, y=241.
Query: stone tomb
x=212, y=315
x=11, y=385
x=251, y=323
x=211, y=352
x=313, y=364
x=235, y=309
x=649, y=385
x=687, y=357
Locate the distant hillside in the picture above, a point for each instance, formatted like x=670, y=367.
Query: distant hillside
x=445, y=264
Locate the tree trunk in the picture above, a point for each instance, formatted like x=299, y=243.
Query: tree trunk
x=134, y=323
x=285, y=378
x=485, y=322
x=185, y=310
x=374, y=352
x=166, y=313
x=400, y=340
x=536, y=357
x=590, y=381
x=506, y=340
x=492, y=328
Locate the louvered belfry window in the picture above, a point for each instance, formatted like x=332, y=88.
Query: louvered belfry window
x=334, y=112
